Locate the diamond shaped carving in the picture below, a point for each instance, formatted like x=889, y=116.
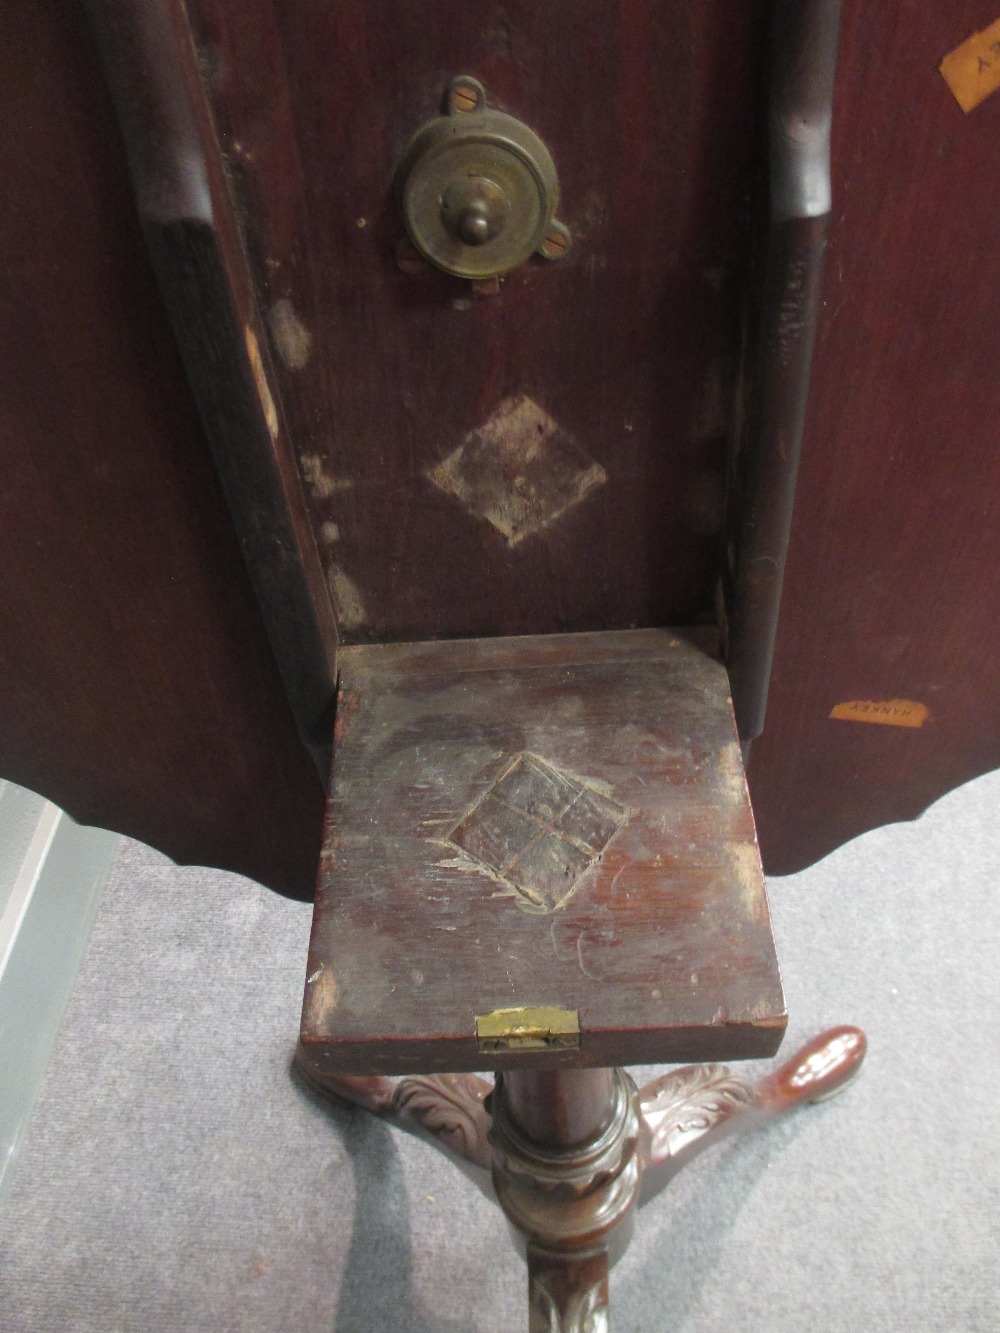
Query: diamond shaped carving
x=538, y=830
x=520, y=470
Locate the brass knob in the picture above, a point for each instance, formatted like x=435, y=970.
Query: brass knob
x=479, y=189
x=474, y=210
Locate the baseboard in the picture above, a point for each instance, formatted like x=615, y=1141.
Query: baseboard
x=52, y=871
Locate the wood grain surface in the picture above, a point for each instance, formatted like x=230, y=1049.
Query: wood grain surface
x=892, y=588
x=547, y=821
x=890, y=579
x=627, y=345
x=137, y=688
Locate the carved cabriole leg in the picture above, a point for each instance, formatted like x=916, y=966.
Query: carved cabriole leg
x=445, y=1109
x=567, y=1294
x=689, y=1109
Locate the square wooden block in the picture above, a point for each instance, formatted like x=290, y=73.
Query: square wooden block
x=548, y=840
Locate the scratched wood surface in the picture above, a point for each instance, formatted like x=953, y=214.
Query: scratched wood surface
x=136, y=683
x=626, y=346
x=890, y=590
x=547, y=821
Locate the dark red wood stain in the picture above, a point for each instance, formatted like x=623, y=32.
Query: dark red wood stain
x=137, y=687
x=627, y=343
x=892, y=589
x=541, y=821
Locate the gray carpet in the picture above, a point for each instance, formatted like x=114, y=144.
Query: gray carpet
x=176, y=1178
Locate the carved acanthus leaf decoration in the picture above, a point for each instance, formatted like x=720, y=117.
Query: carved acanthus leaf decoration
x=684, y=1105
x=450, y=1106
x=585, y=1312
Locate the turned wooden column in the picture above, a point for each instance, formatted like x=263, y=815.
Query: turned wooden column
x=560, y=1108
x=566, y=1173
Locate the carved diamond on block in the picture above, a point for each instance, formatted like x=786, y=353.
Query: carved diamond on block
x=520, y=471
x=538, y=830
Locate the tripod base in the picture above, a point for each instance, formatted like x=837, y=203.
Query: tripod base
x=570, y=1154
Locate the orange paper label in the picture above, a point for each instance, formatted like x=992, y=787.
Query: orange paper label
x=883, y=712
x=972, y=70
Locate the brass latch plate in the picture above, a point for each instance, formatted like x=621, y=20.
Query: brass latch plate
x=479, y=190
x=528, y=1028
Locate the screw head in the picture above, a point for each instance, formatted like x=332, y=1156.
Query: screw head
x=555, y=242
x=465, y=96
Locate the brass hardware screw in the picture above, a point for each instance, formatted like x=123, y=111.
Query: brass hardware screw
x=464, y=98
x=556, y=243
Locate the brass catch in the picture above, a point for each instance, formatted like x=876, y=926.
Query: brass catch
x=538, y=1028
x=479, y=190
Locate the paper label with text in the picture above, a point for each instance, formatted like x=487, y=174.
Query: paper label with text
x=883, y=712
x=972, y=70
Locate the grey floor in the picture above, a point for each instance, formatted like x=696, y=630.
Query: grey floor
x=176, y=1178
